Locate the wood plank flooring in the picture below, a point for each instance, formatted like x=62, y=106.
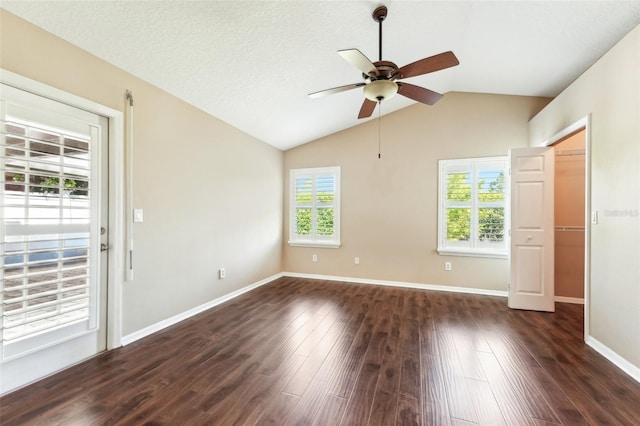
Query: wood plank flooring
x=311, y=352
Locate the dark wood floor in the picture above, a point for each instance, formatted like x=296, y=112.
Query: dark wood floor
x=304, y=352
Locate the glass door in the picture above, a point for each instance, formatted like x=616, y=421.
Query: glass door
x=53, y=211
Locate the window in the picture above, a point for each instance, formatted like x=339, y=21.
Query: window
x=472, y=207
x=314, y=207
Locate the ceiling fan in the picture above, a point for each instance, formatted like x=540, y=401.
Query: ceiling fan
x=380, y=78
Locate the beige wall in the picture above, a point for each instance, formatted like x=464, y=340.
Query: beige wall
x=389, y=205
x=212, y=195
x=610, y=92
x=569, y=206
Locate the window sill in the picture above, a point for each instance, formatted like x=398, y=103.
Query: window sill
x=319, y=244
x=474, y=253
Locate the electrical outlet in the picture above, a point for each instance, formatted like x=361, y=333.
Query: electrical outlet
x=314, y=258
x=356, y=260
x=447, y=266
x=221, y=273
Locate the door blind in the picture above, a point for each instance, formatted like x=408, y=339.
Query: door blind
x=46, y=206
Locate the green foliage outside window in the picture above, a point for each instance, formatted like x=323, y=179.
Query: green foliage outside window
x=458, y=224
x=324, y=215
x=458, y=188
x=490, y=219
x=51, y=185
x=325, y=221
x=491, y=224
x=303, y=221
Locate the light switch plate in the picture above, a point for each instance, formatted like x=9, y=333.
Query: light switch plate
x=138, y=215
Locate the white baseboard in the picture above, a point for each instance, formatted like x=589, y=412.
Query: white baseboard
x=616, y=359
x=574, y=300
x=420, y=286
x=136, y=335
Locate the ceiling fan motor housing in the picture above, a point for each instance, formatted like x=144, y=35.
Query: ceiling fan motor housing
x=386, y=70
x=380, y=85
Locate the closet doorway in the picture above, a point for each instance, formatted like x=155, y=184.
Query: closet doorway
x=539, y=277
x=569, y=215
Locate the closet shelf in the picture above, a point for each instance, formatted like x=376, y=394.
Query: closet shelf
x=565, y=152
x=569, y=228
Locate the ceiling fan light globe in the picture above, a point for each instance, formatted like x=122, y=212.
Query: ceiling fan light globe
x=379, y=90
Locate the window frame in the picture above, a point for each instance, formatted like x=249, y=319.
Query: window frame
x=475, y=164
x=313, y=239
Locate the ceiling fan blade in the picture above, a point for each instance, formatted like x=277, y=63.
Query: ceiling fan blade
x=433, y=63
x=367, y=108
x=358, y=60
x=419, y=94
x=334, y=90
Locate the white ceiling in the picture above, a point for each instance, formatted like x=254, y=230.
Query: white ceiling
x=252, y=63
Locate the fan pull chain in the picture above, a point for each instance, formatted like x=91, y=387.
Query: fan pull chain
x=379, y=113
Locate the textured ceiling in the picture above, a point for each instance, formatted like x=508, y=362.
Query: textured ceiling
x=252, y=63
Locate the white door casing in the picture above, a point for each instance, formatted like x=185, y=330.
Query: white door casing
x=532, y=232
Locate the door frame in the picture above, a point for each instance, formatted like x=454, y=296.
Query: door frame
x=116, y=265
x=582, y=124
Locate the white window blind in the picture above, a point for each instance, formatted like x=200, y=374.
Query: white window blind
x=473, y=207
x=45, y=213
x=314, y=214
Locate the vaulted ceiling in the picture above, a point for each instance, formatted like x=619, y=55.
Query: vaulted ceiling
x=252, y=63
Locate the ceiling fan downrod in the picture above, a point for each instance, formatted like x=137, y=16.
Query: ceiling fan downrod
x=379, y=15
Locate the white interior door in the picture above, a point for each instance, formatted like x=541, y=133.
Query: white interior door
x=53, y=297
x=532, y=237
